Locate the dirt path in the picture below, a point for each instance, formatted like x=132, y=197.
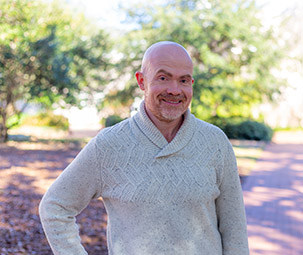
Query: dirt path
x=26, y=171
x=273, y=195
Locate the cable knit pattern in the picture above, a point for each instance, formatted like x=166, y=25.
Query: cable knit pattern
x=182, y=197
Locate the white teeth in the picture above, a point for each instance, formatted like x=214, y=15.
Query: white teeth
x=172, y=102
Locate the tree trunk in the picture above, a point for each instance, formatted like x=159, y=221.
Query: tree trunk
x=3, y=129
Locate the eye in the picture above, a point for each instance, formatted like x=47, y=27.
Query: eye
x=185, y=81
x=162, y=78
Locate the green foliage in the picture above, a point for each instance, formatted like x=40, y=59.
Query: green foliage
x=248, y=130
x=47, y=119
x=223, y=122
x=112, y=120
x=48, y=54
x=233, y=53
x=16, y=120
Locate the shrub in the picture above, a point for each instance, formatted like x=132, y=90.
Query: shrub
x=223, y=122
x=112, y=120
x=248, y=130
x=47, y=119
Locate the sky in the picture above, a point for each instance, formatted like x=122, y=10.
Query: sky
x=106, y=14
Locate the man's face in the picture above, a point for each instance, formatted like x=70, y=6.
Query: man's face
x=167, y=85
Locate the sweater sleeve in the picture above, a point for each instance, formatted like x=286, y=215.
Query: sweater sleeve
x=67, y=197
x=230, y=207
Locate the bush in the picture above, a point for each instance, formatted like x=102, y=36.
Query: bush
x=47, y=119
x=223, y=122
x=241, y=128
x=248, y=130
x=112, y=120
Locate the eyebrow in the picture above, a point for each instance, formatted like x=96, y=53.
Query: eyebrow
x=165, y=72
x=170, y=75
x=186, y=76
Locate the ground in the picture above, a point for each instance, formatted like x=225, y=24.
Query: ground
x=273, y=198
x=28, y=168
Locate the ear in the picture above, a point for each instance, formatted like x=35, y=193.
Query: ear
x=140, y=80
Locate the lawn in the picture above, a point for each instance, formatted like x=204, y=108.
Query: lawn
x=247, y=154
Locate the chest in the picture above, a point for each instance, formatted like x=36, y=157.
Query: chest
x=136, y=175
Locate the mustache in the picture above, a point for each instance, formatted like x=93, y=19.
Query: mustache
x=168, y=96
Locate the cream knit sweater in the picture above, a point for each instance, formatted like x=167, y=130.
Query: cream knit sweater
x=182, y=197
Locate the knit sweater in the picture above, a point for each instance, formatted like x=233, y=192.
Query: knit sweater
x=182, y=197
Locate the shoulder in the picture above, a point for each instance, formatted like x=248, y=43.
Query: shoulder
x=210, y=130
x=115, y=135
x=211, y=134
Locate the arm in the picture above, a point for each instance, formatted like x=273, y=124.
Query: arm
x=67, y=197
x=230, y=207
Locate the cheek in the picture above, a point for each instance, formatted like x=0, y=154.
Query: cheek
x=155, y=91
x=188, y=92
x=151, y=96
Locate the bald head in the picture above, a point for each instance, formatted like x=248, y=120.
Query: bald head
x=164, y=49
x=166, y=79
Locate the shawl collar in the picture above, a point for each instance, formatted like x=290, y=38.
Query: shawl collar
x=182, y=138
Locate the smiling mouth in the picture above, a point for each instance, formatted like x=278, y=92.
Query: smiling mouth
x=172, y=102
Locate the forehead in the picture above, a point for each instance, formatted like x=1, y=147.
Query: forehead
x=172, y=61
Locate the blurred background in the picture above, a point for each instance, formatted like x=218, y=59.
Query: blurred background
x=70, y=64
x=67, y=70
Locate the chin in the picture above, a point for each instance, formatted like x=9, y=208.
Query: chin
x=171, y=116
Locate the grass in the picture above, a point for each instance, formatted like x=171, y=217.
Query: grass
x=32, y=137
x=39, y=132
x=288, y=129
x=247, y=154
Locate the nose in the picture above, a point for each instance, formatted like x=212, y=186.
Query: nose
x=174, y=88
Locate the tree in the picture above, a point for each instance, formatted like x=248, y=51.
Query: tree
x=47, y=55
x=233, y=52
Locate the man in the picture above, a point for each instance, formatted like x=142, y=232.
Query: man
x=169, y=181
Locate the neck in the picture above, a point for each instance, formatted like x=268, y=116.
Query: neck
x=168, y=129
